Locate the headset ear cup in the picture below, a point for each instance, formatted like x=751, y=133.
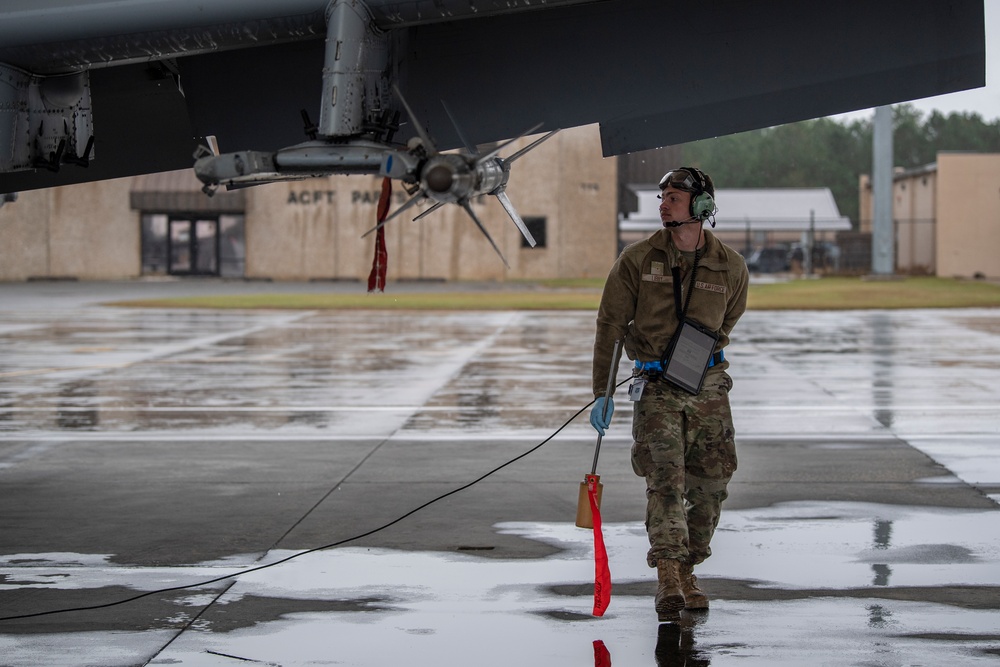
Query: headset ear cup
x=702, y=206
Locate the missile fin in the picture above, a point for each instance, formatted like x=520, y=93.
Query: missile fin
x=472, y=214
x=509, y=207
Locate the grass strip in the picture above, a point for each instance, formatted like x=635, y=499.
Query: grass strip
x=486, y=300
x=857, y=293
x=840, y=293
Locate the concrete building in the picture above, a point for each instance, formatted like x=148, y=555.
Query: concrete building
x=946, y=216
x=162, y=224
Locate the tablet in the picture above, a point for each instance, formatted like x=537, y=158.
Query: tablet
x=687, y=359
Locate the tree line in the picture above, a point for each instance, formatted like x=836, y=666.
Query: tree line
x=829, y=153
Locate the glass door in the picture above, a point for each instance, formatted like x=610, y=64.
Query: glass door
x=206, y=256
x=193, y=247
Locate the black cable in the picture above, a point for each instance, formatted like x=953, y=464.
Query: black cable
x=315, y=549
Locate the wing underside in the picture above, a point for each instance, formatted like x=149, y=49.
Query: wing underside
x=649, y=74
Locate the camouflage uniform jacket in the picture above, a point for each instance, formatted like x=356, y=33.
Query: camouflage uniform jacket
x=638, y=300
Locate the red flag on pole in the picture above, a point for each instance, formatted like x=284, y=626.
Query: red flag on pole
x=602, y=580
x=376, y=279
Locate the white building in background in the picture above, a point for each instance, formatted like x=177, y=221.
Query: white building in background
x=765, y=224
x=750, y=218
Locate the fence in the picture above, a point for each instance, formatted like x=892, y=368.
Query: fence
x=851, y=252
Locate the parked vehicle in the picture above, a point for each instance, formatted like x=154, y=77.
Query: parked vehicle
x=772, y=259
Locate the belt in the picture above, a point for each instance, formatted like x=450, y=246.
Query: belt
x=657, y=367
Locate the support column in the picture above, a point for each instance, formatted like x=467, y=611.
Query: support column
x=883, y=241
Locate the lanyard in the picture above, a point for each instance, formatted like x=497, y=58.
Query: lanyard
x=676, y=271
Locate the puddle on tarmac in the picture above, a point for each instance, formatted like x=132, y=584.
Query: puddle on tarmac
x=824, y=583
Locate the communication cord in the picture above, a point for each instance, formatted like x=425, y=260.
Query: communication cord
x=258, y=568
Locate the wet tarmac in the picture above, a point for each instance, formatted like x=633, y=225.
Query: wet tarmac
x=150, y=449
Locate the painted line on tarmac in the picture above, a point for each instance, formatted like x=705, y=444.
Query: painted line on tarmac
x=583, y=432
x=62, y=369
x=536, y=407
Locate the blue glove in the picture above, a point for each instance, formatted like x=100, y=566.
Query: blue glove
x=599, y=421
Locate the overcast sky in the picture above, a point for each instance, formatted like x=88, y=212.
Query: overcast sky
x=984, y=101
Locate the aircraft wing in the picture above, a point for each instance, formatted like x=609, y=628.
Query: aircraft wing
x=91, y=90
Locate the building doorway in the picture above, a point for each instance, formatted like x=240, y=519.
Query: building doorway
x=193, y=247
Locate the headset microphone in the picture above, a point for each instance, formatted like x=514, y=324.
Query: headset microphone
x=678, y=223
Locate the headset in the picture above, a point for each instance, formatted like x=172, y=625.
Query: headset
x=694, y=181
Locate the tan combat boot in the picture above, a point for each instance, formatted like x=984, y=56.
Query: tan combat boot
x=669, y=598
x=694, y=597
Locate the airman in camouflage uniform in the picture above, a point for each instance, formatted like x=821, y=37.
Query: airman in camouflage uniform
x=684, y=444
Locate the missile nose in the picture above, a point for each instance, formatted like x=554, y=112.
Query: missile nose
x=439, y=178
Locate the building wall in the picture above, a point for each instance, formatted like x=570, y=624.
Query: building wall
x=87, y=232
x=583, y=220
x=98, y=235
x=947, y=216
x=291, y=228
x=309, y=230
x=24, y=228
x=968, y=215
x=914, y=197
x=865, y=203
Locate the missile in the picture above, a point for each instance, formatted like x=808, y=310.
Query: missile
x=455, y=178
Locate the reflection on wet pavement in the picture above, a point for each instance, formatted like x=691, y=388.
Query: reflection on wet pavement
x=794, y=587
x=676, y=644
x=114, y=372
x=792, y=583
x=141, y=371
x=318, y=371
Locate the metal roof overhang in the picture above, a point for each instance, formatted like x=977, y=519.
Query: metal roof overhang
x=180, y=192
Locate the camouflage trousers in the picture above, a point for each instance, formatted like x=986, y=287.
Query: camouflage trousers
x=685, y=448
